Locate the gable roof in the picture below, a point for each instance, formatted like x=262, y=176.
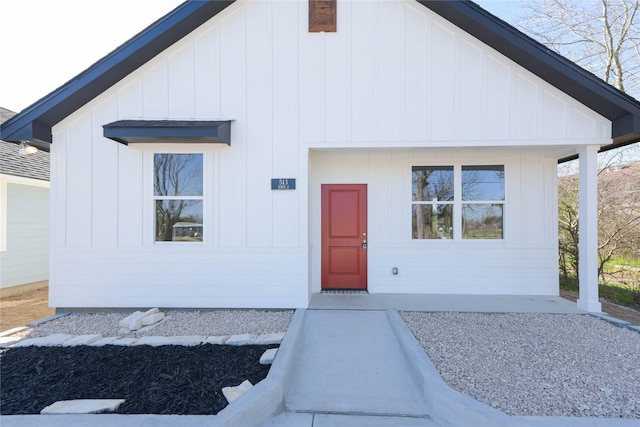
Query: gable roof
x=34, y=165
x=34, y=123
x=622, y=109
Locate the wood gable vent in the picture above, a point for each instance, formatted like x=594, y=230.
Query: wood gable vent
x=322, y=16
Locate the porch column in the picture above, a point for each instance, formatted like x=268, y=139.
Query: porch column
x=588, y=229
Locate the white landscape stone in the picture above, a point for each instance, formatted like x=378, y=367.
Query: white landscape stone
x=154, y=341
x=270, y=339
x=134, y=320
x=124, y=323
x=54, y=340
x=13, y=331
x=83, y=406
x=103, y=341
x=268, y=356
x=218, y=340
x=81, y=340
x=244, y=339
x=134, y=323
x=232, y=393
x=152, y=318
x=124, y=341
x=146, y=329
x=188, y=340
x=7, y=341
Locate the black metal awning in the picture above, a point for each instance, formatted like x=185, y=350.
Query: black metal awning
x=169, y=131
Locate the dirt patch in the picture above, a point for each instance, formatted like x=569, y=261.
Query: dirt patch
x=18, y=310
x=614, y=310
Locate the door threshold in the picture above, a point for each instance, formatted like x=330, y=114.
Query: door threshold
x=345, y=291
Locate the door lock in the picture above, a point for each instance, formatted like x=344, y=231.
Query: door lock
x=364, y=244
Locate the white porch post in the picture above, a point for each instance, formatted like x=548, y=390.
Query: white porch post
x=588, y=230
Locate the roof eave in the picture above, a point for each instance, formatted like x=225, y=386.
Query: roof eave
x=35, y=132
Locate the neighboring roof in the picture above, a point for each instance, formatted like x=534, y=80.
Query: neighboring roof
x=619, y=179
x=35, y=122
x=6, y=114
x=34, y=165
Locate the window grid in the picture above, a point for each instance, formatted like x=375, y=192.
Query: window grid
x=467, y=217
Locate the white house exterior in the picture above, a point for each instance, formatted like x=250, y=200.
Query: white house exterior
x=359, y=120
x=24, y=218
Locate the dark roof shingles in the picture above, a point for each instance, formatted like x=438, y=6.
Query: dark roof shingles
x=34, y=165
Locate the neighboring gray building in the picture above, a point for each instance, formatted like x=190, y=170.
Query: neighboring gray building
x=24, y=217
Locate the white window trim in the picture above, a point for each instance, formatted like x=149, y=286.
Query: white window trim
x=149, y=198
x=503, y=202
x=457, y=200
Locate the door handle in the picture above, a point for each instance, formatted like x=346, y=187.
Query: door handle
x=364, y=244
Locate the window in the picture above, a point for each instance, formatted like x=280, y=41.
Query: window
x=483, y=202
x=178, y=197
x=478, y=201
x=432, y=202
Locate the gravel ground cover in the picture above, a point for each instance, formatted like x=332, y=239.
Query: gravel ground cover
x=535, y=364
x=176, y=323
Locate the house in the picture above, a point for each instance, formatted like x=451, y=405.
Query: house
x=24, y=217
x=252, y=153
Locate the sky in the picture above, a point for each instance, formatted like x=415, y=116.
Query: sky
x=45, y=43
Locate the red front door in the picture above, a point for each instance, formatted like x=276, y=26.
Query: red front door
x=344, y=236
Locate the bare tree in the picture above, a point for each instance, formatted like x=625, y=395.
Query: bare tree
x=619, y=213
x=432, y=184
x=568, y=215
x=602, y=36
x=618, y=220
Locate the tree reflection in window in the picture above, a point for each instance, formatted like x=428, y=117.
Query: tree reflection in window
x=432, y=207
x=178, y=196
x=480, y=200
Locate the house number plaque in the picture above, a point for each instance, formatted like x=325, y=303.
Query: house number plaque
x=283, y=184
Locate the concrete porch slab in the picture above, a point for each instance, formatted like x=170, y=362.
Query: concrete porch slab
x=441, y=302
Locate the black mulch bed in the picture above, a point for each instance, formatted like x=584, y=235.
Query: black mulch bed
x=153, y=380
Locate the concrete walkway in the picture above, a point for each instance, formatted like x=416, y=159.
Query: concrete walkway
x=351, y=362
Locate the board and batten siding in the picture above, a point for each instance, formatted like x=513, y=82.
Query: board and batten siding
x=24, y=257
x=394, y=76
x=524, y=262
